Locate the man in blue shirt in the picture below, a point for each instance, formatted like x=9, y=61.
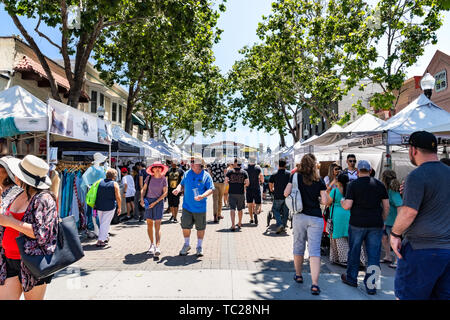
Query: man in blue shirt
x=197, y=185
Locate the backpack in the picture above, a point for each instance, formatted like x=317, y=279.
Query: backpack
x=294, y=200
x=91, y=196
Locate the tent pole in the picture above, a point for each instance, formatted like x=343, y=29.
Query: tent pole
x=388, y=157
x=48, y=133
x=109, y=147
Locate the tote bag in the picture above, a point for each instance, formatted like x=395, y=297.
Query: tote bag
x=68, y=250
x=294, y=200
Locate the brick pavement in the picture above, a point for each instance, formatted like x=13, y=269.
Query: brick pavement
x=253, y=248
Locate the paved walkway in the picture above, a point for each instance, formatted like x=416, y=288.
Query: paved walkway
x=254, y=263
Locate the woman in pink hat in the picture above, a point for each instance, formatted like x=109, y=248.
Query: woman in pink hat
x=152, y=198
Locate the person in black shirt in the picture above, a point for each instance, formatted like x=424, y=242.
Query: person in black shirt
x=277, y=184
x=237, y=180
x=368, y=202
x=253, y=192
x=308, y=224
x=174, y=177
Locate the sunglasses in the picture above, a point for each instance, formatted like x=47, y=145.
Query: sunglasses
x=337, y=169
x=352, y=161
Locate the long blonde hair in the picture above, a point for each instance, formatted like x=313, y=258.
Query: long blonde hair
x=308, y=169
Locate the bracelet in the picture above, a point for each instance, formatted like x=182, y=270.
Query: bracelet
x=396, y=235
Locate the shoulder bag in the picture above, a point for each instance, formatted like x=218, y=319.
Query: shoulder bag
x=294, y=200
x=330, y=219
x=68, y=250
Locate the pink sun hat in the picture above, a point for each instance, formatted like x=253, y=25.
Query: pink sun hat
x=158, y=164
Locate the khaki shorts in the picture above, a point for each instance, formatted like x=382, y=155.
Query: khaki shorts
x=188, y=219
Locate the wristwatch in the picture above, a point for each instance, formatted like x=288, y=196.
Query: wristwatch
x=396, y=235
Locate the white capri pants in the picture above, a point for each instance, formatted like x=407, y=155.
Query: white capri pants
x=307, y=228
x=105, y=218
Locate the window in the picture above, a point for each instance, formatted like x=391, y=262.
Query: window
x=114, y=112
x=441, y=81
x=102, y=100
x=94, y=101
x=323, y=124
x=317, y=129
x=140, y=130
x=120, y=113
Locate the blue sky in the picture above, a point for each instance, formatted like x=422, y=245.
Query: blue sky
x=239, y=23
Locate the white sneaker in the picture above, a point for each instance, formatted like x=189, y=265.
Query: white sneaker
x=157, y=252
x=199, y=252
x=151, y=250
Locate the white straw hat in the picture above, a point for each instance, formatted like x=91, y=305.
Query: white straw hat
x=31, y=170
x=99, y=158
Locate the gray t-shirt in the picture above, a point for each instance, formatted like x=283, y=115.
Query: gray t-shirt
x=427, y=190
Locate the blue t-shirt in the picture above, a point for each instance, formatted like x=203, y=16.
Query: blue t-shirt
x=202, y=182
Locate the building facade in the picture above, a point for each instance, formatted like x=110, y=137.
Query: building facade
x=438, y=67
x=20, y=66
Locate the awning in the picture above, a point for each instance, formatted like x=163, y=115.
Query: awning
x=138, y=121
x=33, y=70
x=91, y=146
x=122, y=136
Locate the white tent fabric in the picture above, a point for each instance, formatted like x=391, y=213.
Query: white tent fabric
x=366, y=123
x=443, y=129
x=331, y=135
x=420, y=114
x=164, y=149
x=299, y=144
x=29, y=113
x=121, y=135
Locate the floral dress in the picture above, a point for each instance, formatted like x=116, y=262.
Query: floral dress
x=42, y=214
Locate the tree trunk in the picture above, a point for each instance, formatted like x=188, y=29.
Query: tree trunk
x=129, y=112
x=75, y=91
x=41, y=57
x=282, y=140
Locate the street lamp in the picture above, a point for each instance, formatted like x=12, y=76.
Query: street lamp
x=427, y=84
x=101, y=112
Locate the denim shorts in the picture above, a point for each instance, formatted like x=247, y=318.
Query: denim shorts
x=307, y=228
x=422, y=274
x=155, y=213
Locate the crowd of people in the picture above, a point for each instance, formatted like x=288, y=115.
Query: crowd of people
x=360, y=214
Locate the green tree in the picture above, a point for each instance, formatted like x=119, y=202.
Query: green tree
x=312, y=53
x=148, y=56
x=401, y=29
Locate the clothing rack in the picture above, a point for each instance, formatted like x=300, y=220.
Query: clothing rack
x=73, y=165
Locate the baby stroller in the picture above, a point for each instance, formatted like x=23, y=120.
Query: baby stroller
x=271, y=216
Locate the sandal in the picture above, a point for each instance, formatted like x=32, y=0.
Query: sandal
x=315, y=292
x=298, y=279
x=100, y=244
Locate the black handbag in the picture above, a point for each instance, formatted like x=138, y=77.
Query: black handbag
x=68, y=250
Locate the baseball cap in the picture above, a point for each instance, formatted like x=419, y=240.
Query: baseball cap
x=364, y=165
x=124, y=170
x=424, y=140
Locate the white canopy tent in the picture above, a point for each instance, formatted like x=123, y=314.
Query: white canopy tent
x=365, y=123
x=28, y=112
x=164, y=149
x=443, y=129
x=144, y=150
x=420, y=114
x=328, y=137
